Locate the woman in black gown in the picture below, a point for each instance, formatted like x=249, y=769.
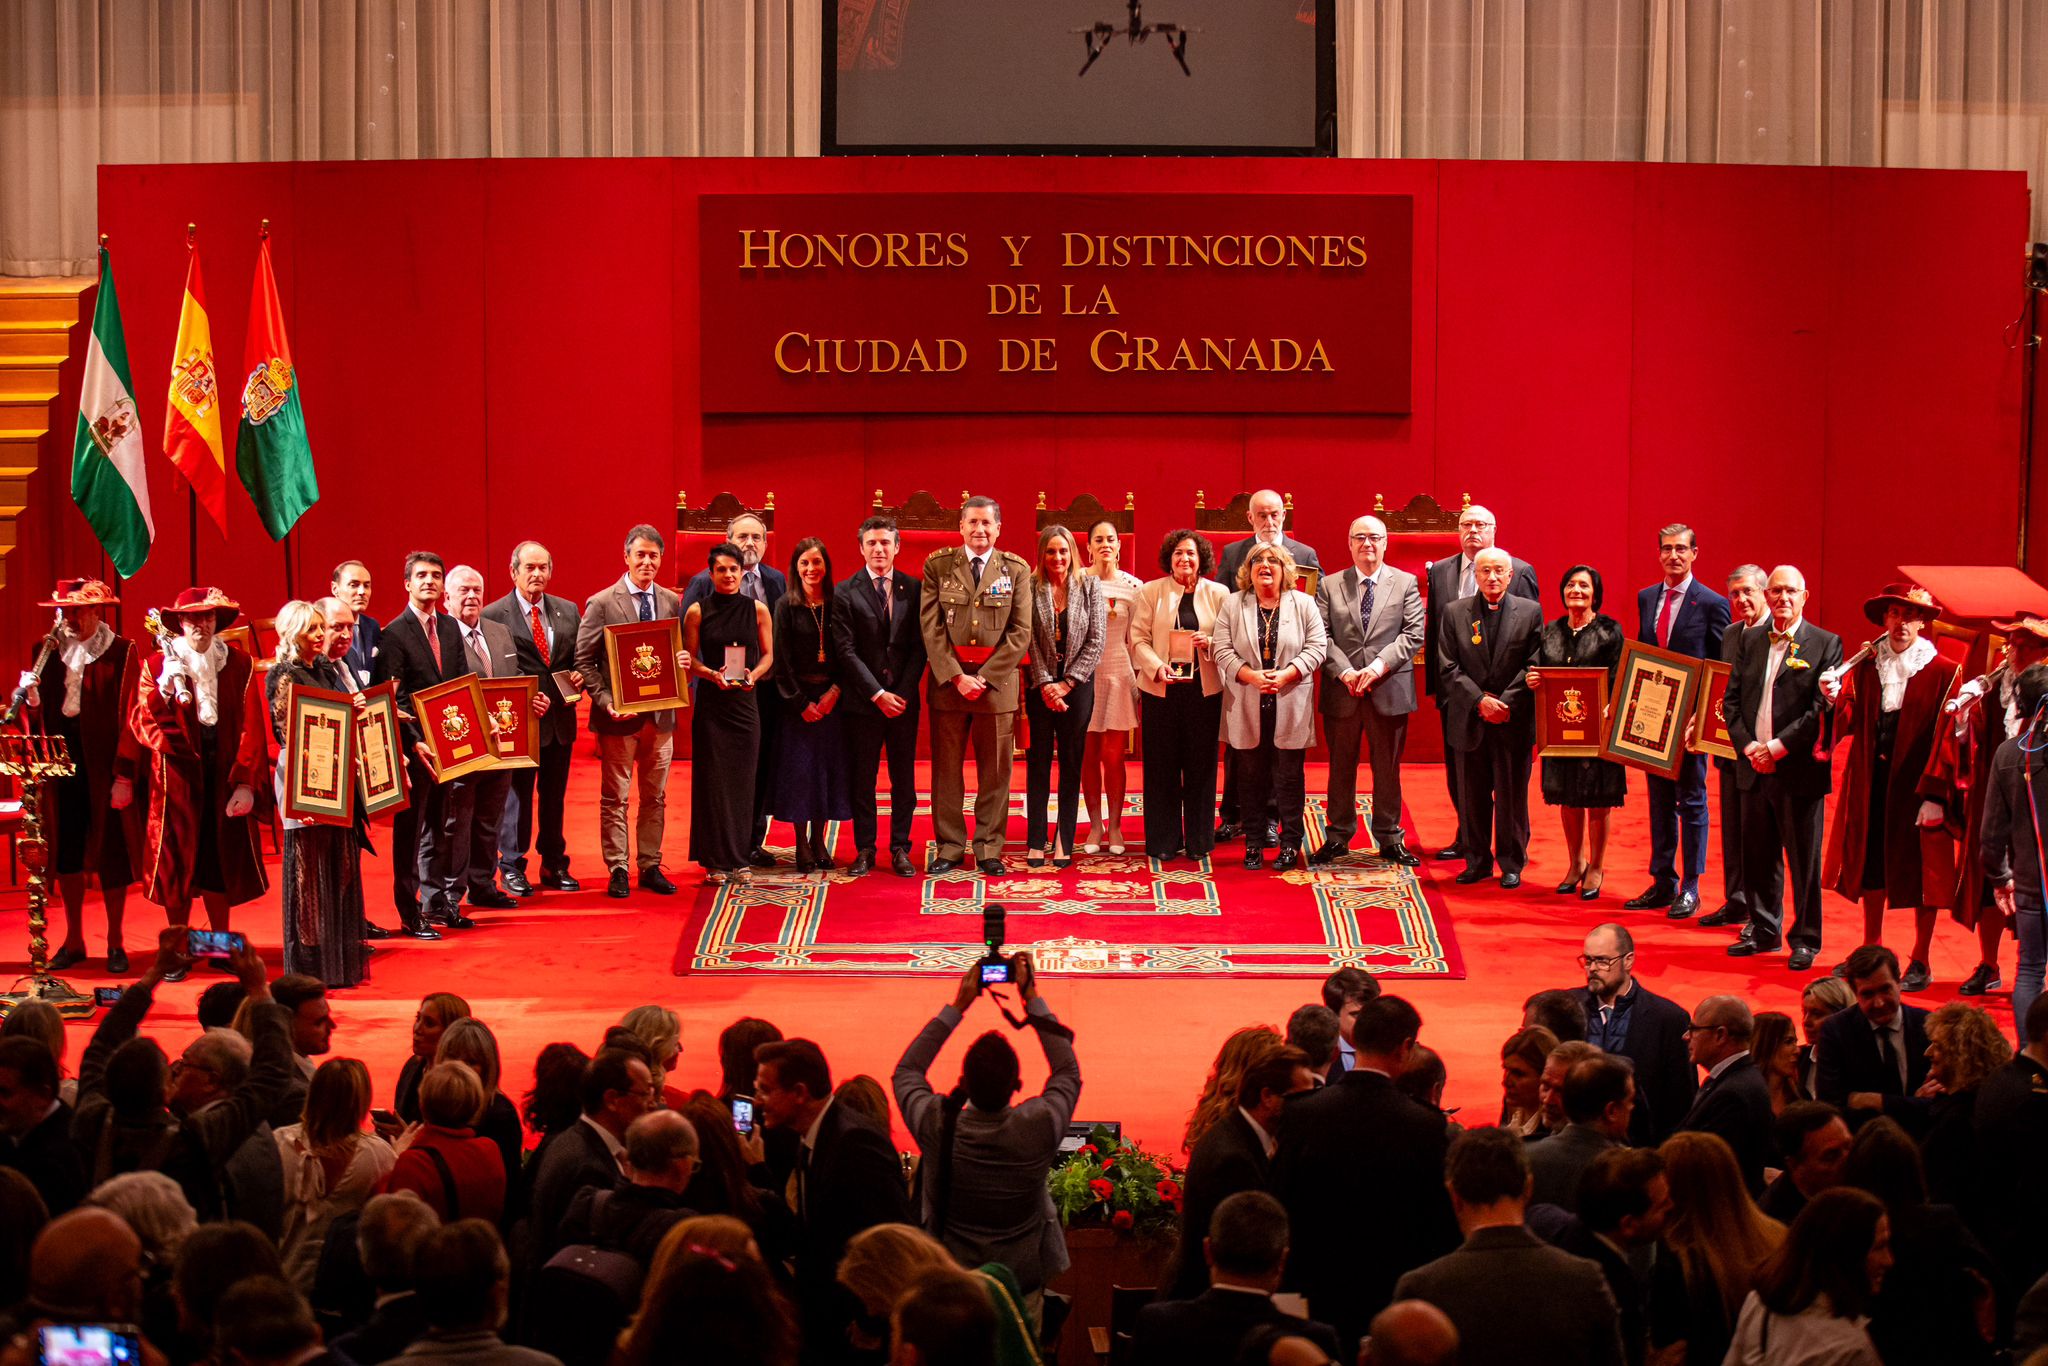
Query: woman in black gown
x=322, y=882
x=1583, y=790
x=810, y=762
x=725, y=723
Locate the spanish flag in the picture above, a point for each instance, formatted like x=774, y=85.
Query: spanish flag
x=192, y=421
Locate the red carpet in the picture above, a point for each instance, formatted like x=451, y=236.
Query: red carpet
x=564, y=966
x=1106, y=915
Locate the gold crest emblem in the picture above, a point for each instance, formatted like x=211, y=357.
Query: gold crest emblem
x=268, y=389
x=504, y=720
x=193, y=384
x=1572, y=709
x=1720, y=714
x=113, y=426
x=645, y=664
x=454, y=725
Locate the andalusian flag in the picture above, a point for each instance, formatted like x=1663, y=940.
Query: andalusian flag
x=192, y=421
x=271, y=451
x=107, y=478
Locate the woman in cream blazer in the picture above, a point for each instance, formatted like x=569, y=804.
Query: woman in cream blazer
x=1180, y=717
x=1269, y=641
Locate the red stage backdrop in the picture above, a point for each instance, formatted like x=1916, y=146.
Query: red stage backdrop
x=1806, y=364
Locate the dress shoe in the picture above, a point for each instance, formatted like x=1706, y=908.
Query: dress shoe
x=1034, y=858
x=900, y=864
x=491, y=899
x=1329, y=852
x=1727, y=915
x=1290, y=858
x=1800, y=961
x=1916, y=978
x=179, y=974
x=991, y=867
x=1749, y=946
x=456, y=920
x=620, y=885
x=1272, y=833
x=863, y=863
x=759, y=857
x=517, y=884
x=1684, y=906
x=942, y=865
x=656, y=881
x=1510, y=881
x=420, y=932
x=117, y=958
x=1984, y=979
x=559, y=882
x=1471, y=875
x=1255, y=857
x=1227, y=831
x=1654, y=899
x=69, y=956
x=371, y=931
x=1450, y=853
x=803, y=861
x=1571, y=884
x=1589, y=890
x=1399, y=853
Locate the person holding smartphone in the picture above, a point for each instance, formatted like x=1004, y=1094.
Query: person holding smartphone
x=90, y=1263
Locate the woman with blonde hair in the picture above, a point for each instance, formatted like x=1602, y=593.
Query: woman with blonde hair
x=1067, y=623
x=1717, y=1238
x=661, y=1029
x=709, y=1299
x=441, y=1159
x=1521, y=1079
x=1242, y=1051
x=885, y=1261
x=1822, y=997
x=1964, y=1047
x=437, y=1010
x=331, y=1166
x=1269, y=642
x=471, y=1041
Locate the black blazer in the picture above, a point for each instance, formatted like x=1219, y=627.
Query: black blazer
x=576, y=1158
x=1737, y=1106
x=1232, y=557
x=1797, y=706
x=1443, y=577
x=1359, y=1145
x=1847, y=1059
x=1210, y=1329
x=867, y=654
x=1465, y=671
x=1227, y=1160
x=403, y=654
x=558, y=727
x=1666, y=1080
x=362, y=647
x=50, y=1160
x=392, y=1327
x=853, y=1182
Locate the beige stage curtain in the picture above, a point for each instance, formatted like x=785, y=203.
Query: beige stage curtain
x=1945, y=83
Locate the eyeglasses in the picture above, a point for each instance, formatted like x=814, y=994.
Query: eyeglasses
x=1695, y=1028
x=1368, y=536
x=180, y=1066
x=1601, y=961
x=1470, y=525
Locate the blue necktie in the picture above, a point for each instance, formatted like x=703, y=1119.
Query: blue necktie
x=646, y=601
x=1365, y=608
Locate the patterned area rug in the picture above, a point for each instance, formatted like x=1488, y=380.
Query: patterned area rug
x=1106, y=915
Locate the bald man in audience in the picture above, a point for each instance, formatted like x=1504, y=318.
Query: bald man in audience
x=84, y=1267
x=1410, y=1333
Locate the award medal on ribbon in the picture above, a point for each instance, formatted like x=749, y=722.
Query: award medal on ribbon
x=454, y=725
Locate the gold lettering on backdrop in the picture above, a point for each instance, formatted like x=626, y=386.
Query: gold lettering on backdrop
x=1103, y=303
x=799, y=353
x=1113, y=351
x=1269, y=251
x=773, y=249
x=1025, y=354
x=1019, y=299
x=1016, y=246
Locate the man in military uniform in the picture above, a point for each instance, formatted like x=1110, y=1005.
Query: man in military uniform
x=976, y=619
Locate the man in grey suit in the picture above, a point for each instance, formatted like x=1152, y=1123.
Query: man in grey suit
x=1267, y=514
x=543, y=629
x=1373, y=613
x=1560, y=1309
x=633, y=748
x=1599, y=1099
x=476, y=803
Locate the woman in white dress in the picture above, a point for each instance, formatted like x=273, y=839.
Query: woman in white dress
x=331, y=1166
x=1116, y=704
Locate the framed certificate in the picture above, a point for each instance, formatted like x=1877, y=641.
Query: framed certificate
x=1180, y=654
x=1570, y=709
x=1656, y=692
x=451, y=717
x=1710, y=727
x=508, y=710
x=319, y=756
x=380, y=752
x=642, y=658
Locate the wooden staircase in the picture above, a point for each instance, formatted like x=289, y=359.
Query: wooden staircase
x=37, y=318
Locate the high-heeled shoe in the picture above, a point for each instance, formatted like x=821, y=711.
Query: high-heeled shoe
x=1116, y=840
x=1571, y=884
x=803, y=860
x=821, y=857
x=1034, y=858
x=1093, y=844
x=1591, y=891
x=1062, y=858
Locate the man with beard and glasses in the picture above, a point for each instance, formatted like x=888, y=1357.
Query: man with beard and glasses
x=202, y=718
x=765, y=584
x=84, y=693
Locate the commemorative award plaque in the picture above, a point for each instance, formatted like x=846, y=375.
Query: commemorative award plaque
x=451, y=717
x=1656, y=692
x=1570, y=709
x=642, y=659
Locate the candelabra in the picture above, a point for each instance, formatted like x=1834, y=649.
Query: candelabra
x=33, y=760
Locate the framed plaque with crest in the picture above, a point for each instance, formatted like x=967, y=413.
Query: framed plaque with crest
x=1571, y=707
x=1710, y=729
x=319, y=757
x=451, y=717
x=380, y=751
x=641, y=656
x=1656, y=691
x=508, y=710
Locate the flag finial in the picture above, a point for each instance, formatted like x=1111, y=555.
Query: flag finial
x=103, y=239
x=265, y=234
x=191, y=234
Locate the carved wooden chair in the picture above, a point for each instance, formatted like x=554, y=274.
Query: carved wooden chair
x=1084, y=512
x=923, y=524
x=698, y=529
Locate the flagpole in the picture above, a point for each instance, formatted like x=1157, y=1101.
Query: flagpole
x=191, y=491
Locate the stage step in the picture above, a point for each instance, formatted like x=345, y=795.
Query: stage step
x=39, y=325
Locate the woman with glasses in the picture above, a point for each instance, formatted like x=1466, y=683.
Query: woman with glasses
x=1585, y=789
x=1269, y=641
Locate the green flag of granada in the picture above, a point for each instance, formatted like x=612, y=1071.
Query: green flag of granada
x=107, y=478
x=272, y=456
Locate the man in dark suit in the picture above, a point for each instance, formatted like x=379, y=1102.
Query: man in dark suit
x=35, y=1125
x=1358, y=1144
x=1683, y=615
x=543, y=629
x=876, y=636
x=1774, y=707
x=476, y=802
x=617, y=1089
x=847, y=1178
x=1624, y=1204
x=1373, y=613
x=1489, y=717
x=1736, y=1100
x=422, y=646
x=1626, y=1018
x=350, y=582
x=1267, y=513
x=1512, y=1296
x=1235, y=1155
x=1245, y=1247
x=1877, y=1047
x=1450, y=579
x=765, y=584
x=387, y=1239
x=1747, y=608
x=1599, y=1094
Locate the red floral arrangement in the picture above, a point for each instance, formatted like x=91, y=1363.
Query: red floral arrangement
x=1110, y=1182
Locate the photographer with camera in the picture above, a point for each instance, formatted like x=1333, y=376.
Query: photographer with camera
x=985, y=1159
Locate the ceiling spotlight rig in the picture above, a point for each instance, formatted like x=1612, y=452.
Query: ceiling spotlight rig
x=1099, y=36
